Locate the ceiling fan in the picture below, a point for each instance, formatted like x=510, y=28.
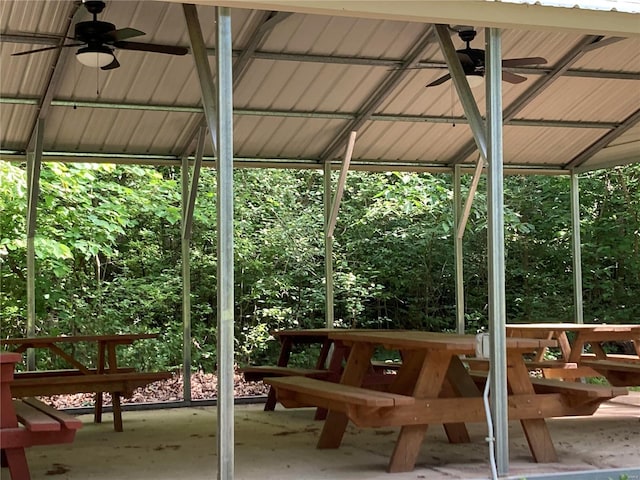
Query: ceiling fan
x=98, y=39
x=472, y=60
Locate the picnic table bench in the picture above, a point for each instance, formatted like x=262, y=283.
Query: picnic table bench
x=27, y=422
x=577, y=399
x=618, y=373
x=432, y=386
x=328, y=365
x=618, y=369
x=107, y=376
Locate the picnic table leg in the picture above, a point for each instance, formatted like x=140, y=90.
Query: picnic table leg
x=458, y=384
x=354, y=373
x=535, y=430
x=430, y=371
x=115, y=396
x=340, y=353
x=321, y=363
x=97, y=409
x=17, y=463
x=117, y=411
x=598, y=350
x=283, y=361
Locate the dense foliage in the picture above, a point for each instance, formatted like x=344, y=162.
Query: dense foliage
x=109, y=256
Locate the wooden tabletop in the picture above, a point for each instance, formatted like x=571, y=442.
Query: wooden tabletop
x=112, y=338
x=574, y=327
x=10, y=357
x=452, y=342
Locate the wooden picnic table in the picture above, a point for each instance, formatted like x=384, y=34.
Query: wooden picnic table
x=105, y=374
x=619, y=370
x=433, y=386
x=106, y=347
x=326, y=366
x=27, y=422
x=584, y=334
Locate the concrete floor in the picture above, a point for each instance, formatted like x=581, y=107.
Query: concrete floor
x=180, y=444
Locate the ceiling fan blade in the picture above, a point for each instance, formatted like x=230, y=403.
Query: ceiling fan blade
x=152, y=47
x=512, y=77
x=439, y=81
x=45, y=49
x=123, y=34
x=112, y=65
x=518, y=62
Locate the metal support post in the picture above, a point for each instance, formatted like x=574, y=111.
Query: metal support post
x=576, y=250
x=34, y=162
x=458, y=253
x=186, y=288
x=497, y=302
x=225, y=245
x=189, y=192
x=220, y=124
x=328, y=248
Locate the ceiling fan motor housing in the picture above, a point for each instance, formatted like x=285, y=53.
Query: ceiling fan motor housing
x=467, y=35
x=94, y=31
x=93, y=6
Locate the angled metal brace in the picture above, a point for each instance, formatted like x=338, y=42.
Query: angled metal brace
x=269, y=22
x=199, y=52
x=335, y=207
x=536, y=89
x=34, y=162
x=189, y=207
x=459, y=79
x=462, y=225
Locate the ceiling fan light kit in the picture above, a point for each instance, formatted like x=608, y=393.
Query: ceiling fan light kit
x=95, y=57
x=473, y=62
x=98, y=40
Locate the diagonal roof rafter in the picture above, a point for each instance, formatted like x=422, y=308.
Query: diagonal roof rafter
x=573, y=55
x=268, y=21
x=379, y=95
x=55, y=74
x=584, y=156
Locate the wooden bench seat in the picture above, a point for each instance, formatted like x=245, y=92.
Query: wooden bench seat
x=122, y=383
x=549, y=368
x=579, y=398
x=63, y=372
x=617, y=373
x=39, y=424
x=618, y=357
x=303, y=391
x=372, y=408
x=118, y=384
x=259, y=373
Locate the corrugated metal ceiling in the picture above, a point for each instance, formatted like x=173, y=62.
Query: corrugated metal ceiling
x=308, y=79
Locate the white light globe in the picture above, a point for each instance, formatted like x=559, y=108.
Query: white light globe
x=95, y=57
